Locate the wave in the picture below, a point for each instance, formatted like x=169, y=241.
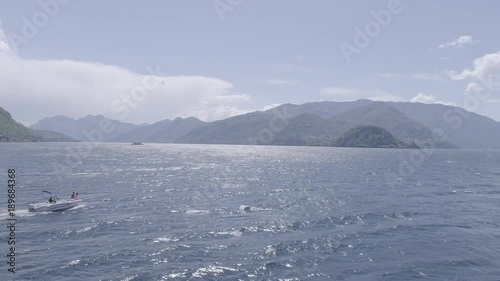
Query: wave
x=165, y=239
x=19, y=213
x=202, y=272
x=72, y=263
x=86, y=229
x=129, y=278
x=234, y=233
x=194, y=211
x=248, y=209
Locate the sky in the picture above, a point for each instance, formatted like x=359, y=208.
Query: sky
x=145, y=61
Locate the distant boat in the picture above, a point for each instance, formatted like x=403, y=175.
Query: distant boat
x=57, y=206
x=137, y=143
x=54, y=204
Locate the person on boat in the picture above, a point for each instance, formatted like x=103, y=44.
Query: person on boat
x=73, y=195
x=52, y=200
x=76, y=196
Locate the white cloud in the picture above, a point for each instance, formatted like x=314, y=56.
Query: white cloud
x=271, y=106
x=459, y=42
x=301, y=57
x=34, y=89
x=485, y=84
x=390, y=75
x=289, y=67
x=486, y=73
x=4, y=46
x=423, y=76
x=282, y=82
x=483, y=68
x=435, y=76
x=429, y=99
x=223, y=112
x=473, y=88
x=350, y=94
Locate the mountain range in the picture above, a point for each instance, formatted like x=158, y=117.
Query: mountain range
x=317, y=123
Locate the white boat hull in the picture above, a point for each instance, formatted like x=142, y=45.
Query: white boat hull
x=61, y=205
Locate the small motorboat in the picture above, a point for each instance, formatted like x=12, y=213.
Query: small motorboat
x=54, y=205
x=137, y=143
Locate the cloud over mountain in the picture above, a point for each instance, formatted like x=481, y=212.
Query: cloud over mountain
x=46, y=87
x=429, y=99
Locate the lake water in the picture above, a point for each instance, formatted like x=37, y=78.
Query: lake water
x=201, y=212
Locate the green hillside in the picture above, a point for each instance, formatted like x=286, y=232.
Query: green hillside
x=11, y=131
x=371, y=137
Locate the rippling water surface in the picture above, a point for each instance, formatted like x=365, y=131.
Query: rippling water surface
x=198, y=212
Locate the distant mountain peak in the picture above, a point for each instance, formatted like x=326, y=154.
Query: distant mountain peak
x=91, y=116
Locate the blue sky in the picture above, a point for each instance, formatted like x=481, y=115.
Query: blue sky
x=225, y=57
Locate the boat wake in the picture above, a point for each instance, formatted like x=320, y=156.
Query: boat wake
x=4, y=215
x=80, y=206
x=19, y=213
